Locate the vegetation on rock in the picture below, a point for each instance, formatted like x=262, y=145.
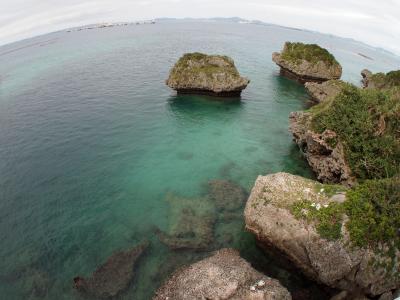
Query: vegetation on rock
x=296, y=52
x=367, y=122
x=385, y=81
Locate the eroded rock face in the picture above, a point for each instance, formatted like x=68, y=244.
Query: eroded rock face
x=334, y=262
x=225, y=275
x=113, y=276
x=191, y=225
x=198, y=73
x=307, y=63
x=324, y=152
x=319, y=92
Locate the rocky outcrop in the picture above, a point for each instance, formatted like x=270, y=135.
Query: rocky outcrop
x=319, y=92
x=198, y=73
x=191, y=223
x=307, y=63
x=380, y=81
x=224, y=275
x=113, y=276
x=324, y=152
x=280, y=213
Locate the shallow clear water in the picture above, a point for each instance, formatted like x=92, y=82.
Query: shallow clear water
x=92, y=141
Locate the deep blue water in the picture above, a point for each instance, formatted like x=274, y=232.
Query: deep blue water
x=92, y=141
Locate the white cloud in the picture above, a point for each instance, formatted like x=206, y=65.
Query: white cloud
x=370, y=21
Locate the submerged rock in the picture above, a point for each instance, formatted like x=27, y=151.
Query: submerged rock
x=225, y=275
x=227, y=195
x=191, y=223
x=380, y=81
x=319, y=92
x=113, y=276
x=198, y=73
x=298, y=217
x=307, y=62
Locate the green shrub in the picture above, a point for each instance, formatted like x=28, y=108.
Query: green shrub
x=373, y=208
x=296, y=52
x=367, y=123
x=386, y=81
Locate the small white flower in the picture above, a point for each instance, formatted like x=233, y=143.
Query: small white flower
x=313, y=204
x=252, y=288
x=261, y=283
x=326, y=205
x=318, y=206
x=321, y=190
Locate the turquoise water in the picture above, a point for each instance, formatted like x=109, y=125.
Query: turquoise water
x=92, y=141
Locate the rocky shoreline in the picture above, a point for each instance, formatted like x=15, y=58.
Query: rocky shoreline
x=341, y=231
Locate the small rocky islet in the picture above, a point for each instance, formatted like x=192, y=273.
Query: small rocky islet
x=342, y=231
x=307, y=63
x=215, y=75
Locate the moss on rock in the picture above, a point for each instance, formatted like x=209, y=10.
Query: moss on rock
x=312, y=53
x=210, y=74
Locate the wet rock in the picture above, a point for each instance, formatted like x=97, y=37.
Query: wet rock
x=191, y=223
x=334, y=262
x=199, y=73
x=227, y=195
x=113, y=276
x=225, y=275
x=307, y=63
x=319, y=92
x=324, y=152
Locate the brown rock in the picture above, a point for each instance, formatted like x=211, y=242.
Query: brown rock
x=113, y=276
x=191, y=223
x=227, y=195
x=225, y=275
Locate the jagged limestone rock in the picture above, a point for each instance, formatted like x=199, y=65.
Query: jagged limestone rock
x=300, y=219
x=224, y=275
x=307, y=63
x=198, y=73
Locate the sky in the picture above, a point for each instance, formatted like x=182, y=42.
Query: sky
x=376, y=23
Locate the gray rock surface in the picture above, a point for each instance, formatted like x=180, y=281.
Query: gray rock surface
x=206, y=74
x=224, y=275
x=334, y=263
x=323, y=152
x=319, y=92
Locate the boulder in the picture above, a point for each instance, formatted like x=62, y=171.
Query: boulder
x=380, y=81
x=114, y=276
x=300, y=219
x=197, y=73
x=324, y=152
x=319, y=92
x=191, y=223
x=307, y=63
x=224, y=275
